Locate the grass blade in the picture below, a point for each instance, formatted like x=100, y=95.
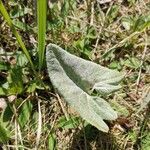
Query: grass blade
x=41, y=18
x=18, y=37
x=4, y=133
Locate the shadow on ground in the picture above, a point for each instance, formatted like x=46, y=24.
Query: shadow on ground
x=90, y=138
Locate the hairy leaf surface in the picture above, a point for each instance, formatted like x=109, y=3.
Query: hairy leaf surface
x=75, y=78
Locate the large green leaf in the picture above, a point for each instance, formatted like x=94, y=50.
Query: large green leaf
x=75, y=79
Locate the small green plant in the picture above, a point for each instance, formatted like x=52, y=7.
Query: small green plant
x=113, y=34
x=82, y=79
x=76, y=79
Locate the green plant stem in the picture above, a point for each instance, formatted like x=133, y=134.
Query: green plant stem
x=41, y=19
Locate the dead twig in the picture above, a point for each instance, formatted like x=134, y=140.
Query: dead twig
x=62, y=107
x=39, y=130
x=141, y=64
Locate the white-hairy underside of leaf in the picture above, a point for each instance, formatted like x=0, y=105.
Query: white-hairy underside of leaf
x=75, y=78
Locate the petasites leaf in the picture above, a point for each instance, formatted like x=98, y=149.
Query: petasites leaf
x=75, y=78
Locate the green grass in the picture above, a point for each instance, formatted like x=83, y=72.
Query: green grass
x=18, y=37
x=115, y=35
x=41, y=18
